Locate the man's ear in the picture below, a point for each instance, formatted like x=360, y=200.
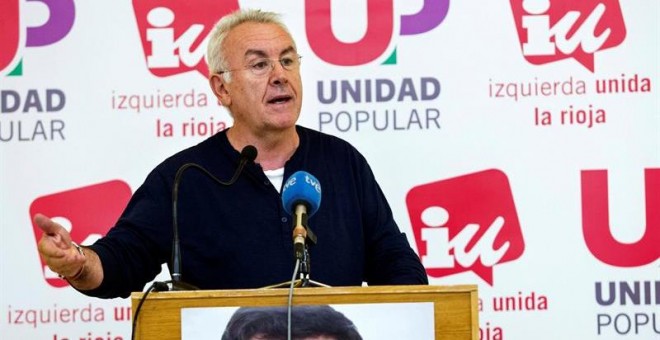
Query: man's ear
x=218, y=85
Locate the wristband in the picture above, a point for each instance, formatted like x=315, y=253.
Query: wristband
x=78, y=248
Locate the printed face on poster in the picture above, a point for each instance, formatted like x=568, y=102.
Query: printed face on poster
x=368, y=321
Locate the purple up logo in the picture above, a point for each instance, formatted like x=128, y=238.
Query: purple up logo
x=14, y=35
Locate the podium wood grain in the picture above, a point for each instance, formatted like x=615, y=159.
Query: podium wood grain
x=455, y=307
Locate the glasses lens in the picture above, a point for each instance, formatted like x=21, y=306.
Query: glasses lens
x=263, y=66
x=290, y=63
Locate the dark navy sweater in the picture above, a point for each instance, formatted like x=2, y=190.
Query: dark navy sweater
x=240, y=236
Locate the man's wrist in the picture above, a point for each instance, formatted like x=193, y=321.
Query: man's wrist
x=79, y=274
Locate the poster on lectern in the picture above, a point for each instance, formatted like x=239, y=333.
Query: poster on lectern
x=337, y=321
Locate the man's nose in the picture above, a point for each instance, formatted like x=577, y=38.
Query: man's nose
x=277, y=73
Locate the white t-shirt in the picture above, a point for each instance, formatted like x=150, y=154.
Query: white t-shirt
x=276, y=177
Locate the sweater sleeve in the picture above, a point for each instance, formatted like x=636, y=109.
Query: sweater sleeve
x=133, y=251
x=389, y=257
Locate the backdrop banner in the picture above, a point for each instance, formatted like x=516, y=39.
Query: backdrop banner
x=518, y=143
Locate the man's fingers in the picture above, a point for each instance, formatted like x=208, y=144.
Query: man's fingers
x=59, y=235
x=49, y=248
x=46, y=224
x=64, y=262
x=56, y=248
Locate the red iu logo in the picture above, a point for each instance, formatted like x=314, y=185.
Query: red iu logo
x=596, y=225
x=554, y=30
x=87, y=213
x=466, y=223
x=174, y=33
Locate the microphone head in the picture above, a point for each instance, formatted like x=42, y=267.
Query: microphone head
x=249, y=153
x=301, y=188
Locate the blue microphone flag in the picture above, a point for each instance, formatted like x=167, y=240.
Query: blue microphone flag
x=301, y=188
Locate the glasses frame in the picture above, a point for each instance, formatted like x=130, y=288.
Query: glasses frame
x=271, y=62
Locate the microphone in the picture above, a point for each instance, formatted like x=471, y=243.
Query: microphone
x=248, y=154
x=301, y=197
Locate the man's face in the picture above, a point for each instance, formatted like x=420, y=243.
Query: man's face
x=260, y=103
x=318, y=337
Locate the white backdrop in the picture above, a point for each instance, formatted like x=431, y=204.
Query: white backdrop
x=458, y=109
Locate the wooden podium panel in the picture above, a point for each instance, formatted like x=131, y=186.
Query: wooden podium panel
x=455, y=307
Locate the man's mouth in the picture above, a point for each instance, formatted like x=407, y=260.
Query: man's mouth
x=280, y=99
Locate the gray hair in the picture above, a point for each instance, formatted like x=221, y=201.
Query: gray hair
x=215, y=53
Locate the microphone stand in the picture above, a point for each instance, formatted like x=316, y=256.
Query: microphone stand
x=303, y=272
x=305, y=262
x=305, y=266
x=248, y=154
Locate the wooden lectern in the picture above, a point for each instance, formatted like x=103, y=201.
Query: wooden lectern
x=455, y=307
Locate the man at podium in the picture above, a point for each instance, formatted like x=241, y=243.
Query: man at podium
x=237, y=234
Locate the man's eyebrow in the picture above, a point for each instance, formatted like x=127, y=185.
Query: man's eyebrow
x=262, y=54
x=288, y=50
x=258, y=53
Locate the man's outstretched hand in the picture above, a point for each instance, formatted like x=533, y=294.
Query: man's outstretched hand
x=57, y=249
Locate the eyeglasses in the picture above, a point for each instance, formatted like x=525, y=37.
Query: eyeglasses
x=262, y=66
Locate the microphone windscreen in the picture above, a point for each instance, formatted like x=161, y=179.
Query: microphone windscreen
x=301, y=188
x=249, y=152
